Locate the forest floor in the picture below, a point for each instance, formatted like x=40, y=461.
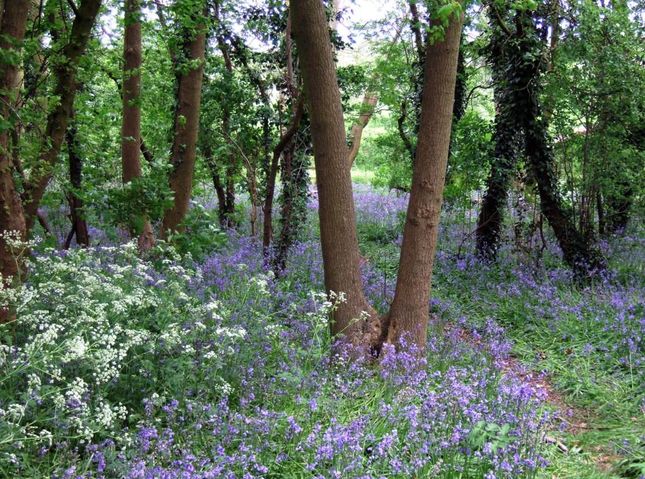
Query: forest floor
x=582, y=346
x=199, y=363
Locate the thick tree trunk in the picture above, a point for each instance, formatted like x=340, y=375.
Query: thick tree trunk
x=12, y=218
x=409, y=314
x=186, y=123
x=77, y=215
x=355, y=319
x=65, y=90
x=504, y=161
x=131, y=143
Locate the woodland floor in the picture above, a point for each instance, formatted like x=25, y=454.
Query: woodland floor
x=220, y=369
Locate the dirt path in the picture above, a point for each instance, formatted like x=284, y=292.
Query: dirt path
x=571, y=420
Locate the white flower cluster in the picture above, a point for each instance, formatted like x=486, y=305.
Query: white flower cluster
x=79, y=317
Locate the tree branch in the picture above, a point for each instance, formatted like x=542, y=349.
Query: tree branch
x=367, y=110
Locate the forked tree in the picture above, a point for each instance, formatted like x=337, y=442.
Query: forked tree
x=355, y=320
x=517, y=52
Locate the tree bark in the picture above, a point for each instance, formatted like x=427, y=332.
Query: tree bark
x=77, y=215
x=415, y=26
x=65, y=73
x=355, y=318
x=295, y=181
x=503, y=165
x=12, y=218
x=267, y=233
x=578, y=251
x=364, y=117
x=132, y=144
x=601, y=213
x=186, y=124
x=409, y=314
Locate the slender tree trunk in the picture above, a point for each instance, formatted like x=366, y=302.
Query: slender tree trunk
x=131, y=143
x=221, y=194
x=186, y=124
x=365, y=115
x=252, y=183
x=409, y=314
x=578, y=251
x=415, y=26
x=12, y=218
x=489, y=224
x=294, y=196
x=229, y=210
x=77, y=215
x=65, y=90
x=286, y=138
x=601, y=213
x=619, y=203
x=355, y=318
x=286, y=211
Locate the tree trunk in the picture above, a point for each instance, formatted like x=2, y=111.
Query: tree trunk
x=619, y=203
x=365, y=115
x=503, y=165
x=354, y=319
x=601, y=213
x=286, y=211
x=225, y=191
x=295, y=182
x=409, y=314
x=267, y=234
x=577, y=250
x=229, y=209
x=12, y=218
x=131, y=143
x=186, y=124
x=77, y=215
x=65, y=90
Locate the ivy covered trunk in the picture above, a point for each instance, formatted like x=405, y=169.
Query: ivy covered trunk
x=295, y=187
x=578, y=251
x=504, y=159
x=503, y=166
